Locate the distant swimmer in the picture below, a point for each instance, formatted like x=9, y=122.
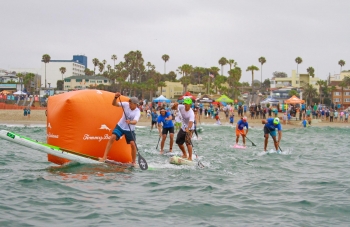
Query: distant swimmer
x=271, y=124
x=166, y=119
x=239, y=129
x=126, y=123
x=185, y=133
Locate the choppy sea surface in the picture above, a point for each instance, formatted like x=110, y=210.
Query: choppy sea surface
x=308, y=184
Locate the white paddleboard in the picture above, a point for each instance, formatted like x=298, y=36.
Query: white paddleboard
x=236, y=146
x=53, y=150
x=181, y=161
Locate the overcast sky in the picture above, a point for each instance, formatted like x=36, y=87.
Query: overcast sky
x=197, y=32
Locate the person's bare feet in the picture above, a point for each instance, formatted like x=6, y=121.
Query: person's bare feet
x=184, y=156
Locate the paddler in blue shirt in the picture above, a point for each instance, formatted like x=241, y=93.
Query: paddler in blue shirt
x=165, y=118
x=270, y=128
x=239, y=129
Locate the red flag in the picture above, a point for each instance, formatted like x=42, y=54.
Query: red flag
x=211, y=75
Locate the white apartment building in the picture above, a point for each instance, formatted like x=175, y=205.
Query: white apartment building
x=74, y=67
x=53, y=72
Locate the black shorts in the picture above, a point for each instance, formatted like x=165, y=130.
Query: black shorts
x=166, y=130
x=183, y=137
x=129, y=135
x=153, y=123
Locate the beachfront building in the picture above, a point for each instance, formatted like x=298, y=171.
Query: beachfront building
x=174, y=90
x=85, y=82
x=294, y=80
x=74, y=67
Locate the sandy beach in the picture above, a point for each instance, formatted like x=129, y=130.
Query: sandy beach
x=39, y=117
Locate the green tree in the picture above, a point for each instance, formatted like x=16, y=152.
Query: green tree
x=223, y=61
x=252, y=68
x=311, y=71
x=341, y=63
x=165, y=58
x=27, y=81
x=46, y=59
x=114, y=58
x=293, y=92
x=342, y=85
x=309, y=92
x=20, y=78
x=101, y=67
x=233, y=81
x=262, y=61
x=60, y=84
x=95, y=62
x=232, y=62
x=280, y=74
x=63, y=71
x=321, y=84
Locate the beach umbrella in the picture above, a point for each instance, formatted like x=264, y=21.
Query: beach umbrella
x=161, y=99
x=294, y=100
x=224, y=98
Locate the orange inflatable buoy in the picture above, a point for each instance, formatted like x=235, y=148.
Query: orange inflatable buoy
x=83, y=121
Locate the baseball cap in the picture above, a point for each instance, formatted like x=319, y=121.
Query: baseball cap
x=276, y=121
x=244, y=118
x=134, y=100
x=187, y=101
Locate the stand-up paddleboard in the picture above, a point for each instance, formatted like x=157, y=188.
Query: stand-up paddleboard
x=181, y=161
x=236, y=146
x=54, y=150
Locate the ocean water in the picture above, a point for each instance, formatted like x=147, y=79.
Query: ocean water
x=308, y=184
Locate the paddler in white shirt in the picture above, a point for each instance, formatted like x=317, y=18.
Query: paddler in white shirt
x=185, y=133
x=126, y=123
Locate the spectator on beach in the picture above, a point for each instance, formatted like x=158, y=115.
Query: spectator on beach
x=25, y=111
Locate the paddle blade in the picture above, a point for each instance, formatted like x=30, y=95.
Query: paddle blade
x=142, y=163
x=200, y=165
x=253, y=144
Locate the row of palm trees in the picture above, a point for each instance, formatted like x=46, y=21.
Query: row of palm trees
x=132, y=72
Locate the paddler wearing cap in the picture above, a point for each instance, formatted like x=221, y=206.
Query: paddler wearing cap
x=270, y=128
x=185, y=133
x=240, y=129
x=129, y=118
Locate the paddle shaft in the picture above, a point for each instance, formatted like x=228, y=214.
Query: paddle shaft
x=253, y=144
x=272, y=138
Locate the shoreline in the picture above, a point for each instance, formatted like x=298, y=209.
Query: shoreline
x=38, y=117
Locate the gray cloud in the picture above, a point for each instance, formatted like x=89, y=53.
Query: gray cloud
x=195, y=32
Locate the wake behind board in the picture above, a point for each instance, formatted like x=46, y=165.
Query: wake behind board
x=236, y=146
x=181, y=161
x=54, y=150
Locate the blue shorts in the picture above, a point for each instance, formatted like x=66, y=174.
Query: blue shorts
x=269, y=131
x=119, y=132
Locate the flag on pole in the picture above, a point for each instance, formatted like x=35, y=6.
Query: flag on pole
x=211, y=75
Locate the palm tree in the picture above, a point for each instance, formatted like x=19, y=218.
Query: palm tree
x=309, y=92
x=165, y=58
x=231, y=62
x=63, y=71
x=252, y=68
x=95, y=61
x=262, y=60
x=46, y=59
x=114, y=58
x=223, y=61
x=101, y=67
x=109, y=67
x=341, y=63
x=298, y=60
x=342, y=85
x=311, y=71
x=20, y=78
x=321, y=84
x=331, y=90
